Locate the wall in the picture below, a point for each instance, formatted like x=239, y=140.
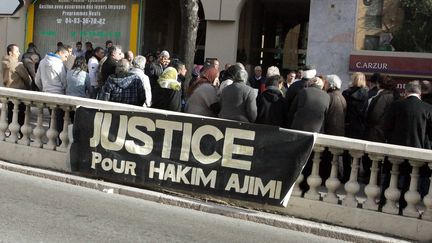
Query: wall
x=13, y=31
x=331, y=36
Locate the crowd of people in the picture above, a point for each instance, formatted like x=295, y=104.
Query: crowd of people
x=370, y=109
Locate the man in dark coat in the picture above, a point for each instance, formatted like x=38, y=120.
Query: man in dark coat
x=270, y=104
x=109, y=66
x=155, y=69
x=309, y=108
x=308, y=73
x=408, y=122
x=335, y=120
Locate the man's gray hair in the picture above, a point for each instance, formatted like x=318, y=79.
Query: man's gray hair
x=413, y=87
x=241, y=76
x=123, y=66
x=139, y=62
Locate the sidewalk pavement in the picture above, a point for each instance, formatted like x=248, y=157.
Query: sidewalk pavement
x=275, y=220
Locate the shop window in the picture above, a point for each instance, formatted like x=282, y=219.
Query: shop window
x=371, y=42
x=374, y=12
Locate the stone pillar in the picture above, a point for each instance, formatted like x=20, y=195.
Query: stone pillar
x=331, y=36
x=222, y=29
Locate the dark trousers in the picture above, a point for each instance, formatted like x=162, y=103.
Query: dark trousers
x=21, y=113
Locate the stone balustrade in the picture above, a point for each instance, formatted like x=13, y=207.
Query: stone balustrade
x=39, y=142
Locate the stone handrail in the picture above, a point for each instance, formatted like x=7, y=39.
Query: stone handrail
x=40, y=138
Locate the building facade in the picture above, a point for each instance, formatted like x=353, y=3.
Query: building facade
x=286, y=33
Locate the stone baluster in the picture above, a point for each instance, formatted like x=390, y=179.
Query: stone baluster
x=392, y=193
x=64, y=135
x=412, y=196
x=3, y=118
x=297, y=192
x=52, y=132
x=427, y=200
x=314, y=180
x=26, y=129
x=333, y=182
x=372, y=190
x=14, y=126
x=352, y=186
x=39, y=131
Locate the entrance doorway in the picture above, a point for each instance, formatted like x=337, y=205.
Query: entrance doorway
x=274, y=33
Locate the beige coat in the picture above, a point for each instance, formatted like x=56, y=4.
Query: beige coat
x=15, y=75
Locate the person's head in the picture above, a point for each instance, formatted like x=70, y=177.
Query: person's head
x=139, y=62
x=78, y=45
x=31, y=48
x=67, y=47
x=241, y=76
x=386, y=83
x=210, y=73
x=59, y=44
x=129, y=56
x=309, y=72
x=273, y=81
x=80, y=64
x=375, y=78
x=115, y=52
x=179, y=66
x=272, y=71
x=258, y=71
x=299, y=74
x=164, y=58
x=122, y=67
x=89, y=46
x=13, y=51
x=426, y=87
x=63, y=53
x=333, y=82
x=108, y=44
x=213, y=63
x=99, y=52
x=358, y=80
x=291, y=76
x=231, y=71
x=317, y=82
x=413, y=87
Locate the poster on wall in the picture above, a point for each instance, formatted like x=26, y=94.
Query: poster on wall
x=70, y=21
x=215, y=157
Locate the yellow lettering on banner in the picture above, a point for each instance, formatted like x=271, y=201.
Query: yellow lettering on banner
x=196, y=144
x=229, y=148
x=97, y=124
x=117, y=145
x=169, y=127
x=134, y=132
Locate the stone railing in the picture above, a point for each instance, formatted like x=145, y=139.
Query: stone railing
x=355, y=203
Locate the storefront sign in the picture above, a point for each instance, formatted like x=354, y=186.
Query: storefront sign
x=394, y=65
x=70, y=21
x=224, y=158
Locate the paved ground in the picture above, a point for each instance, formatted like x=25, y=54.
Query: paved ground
x=39, y=210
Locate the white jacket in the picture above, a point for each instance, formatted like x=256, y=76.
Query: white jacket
x=51, y=75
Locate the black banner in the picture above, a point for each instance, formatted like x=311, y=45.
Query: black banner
x=225, y=158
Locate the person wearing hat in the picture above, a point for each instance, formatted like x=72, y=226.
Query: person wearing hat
x=167, y=91
x=335, y=120
x=309, y=72
x=156, y=68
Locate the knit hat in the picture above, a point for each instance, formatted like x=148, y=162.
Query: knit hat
x=165, y=53
x=273, y=71
x=309, y=72
x=334, y=81
x=168, y=79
